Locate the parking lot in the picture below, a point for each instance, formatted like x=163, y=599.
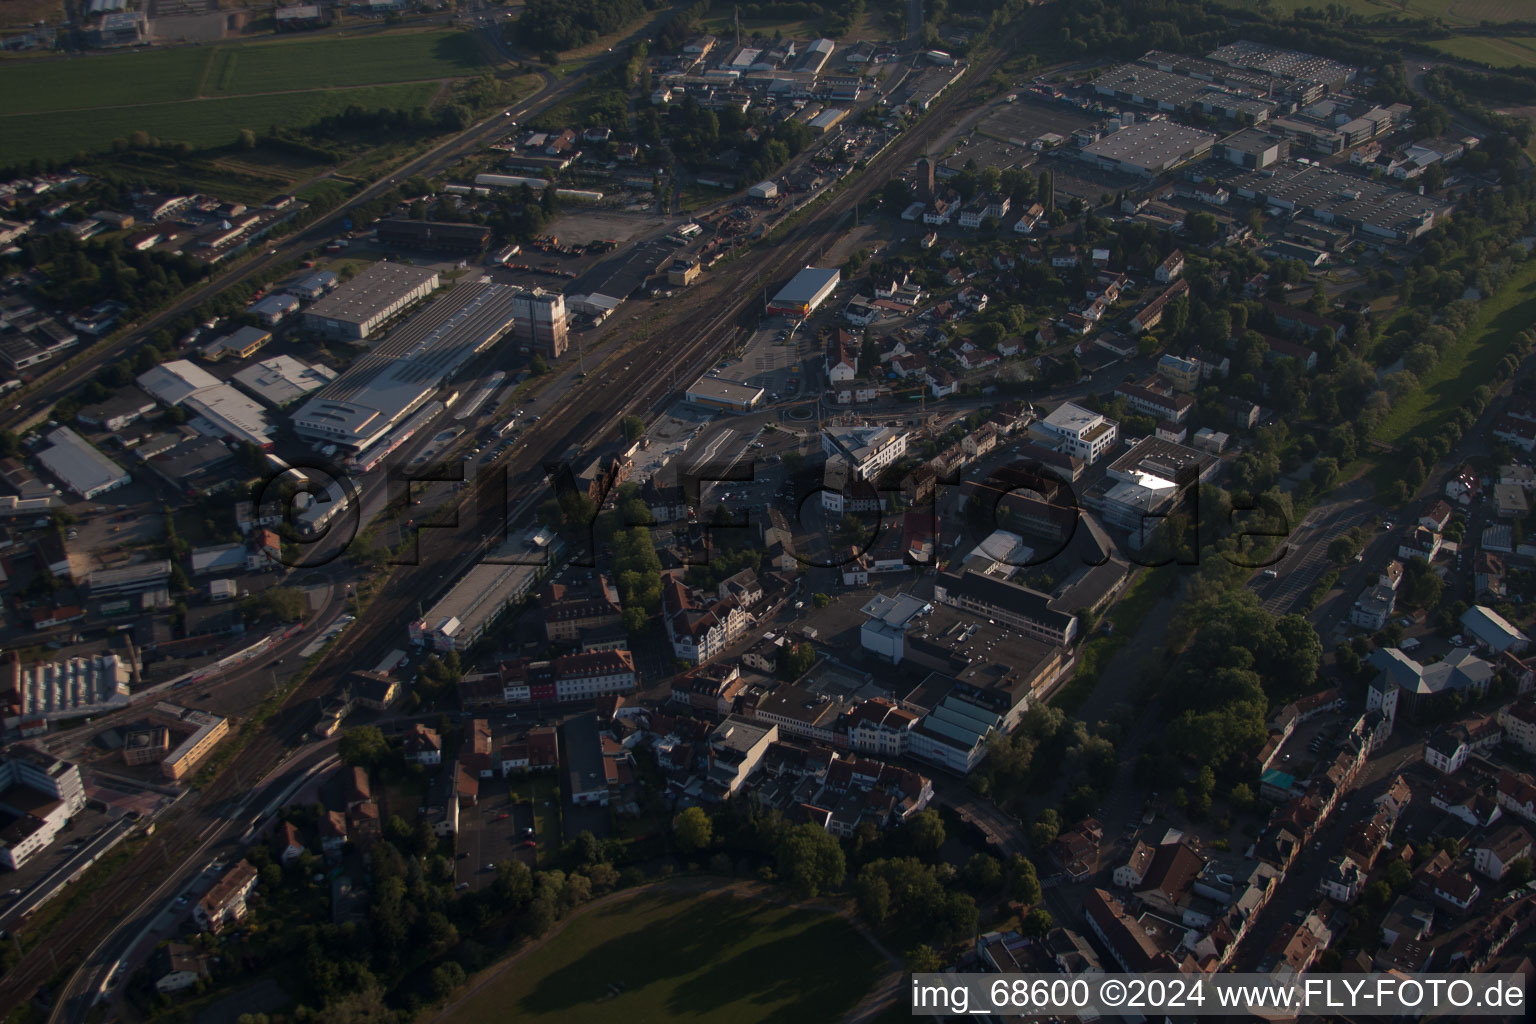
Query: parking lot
x=496, y=829
x=1027, y=118
x=770, y=359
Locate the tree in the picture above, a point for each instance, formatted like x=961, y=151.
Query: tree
x=923, y=960
x=874, y=899
x=445, y=978
x=1046, y=828
x=692, y=829
x=633, y=428
x=537, y=366
x=1520, y=871
x=364, y=747
x=983, y=872
x=797, y=661
x=1026, y=881
x=924, y=833
x=811, y=860
x=1037, y=923
x=821, y=600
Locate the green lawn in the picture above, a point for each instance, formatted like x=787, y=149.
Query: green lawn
x=205, y=95
x=675, y=957
x=1467, y=364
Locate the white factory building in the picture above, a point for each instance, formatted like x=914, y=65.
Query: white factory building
x=66, y=689
x=356, y=309
x=217, y=409
x=282, y=380
x=79, y=466
x=461, y=616
x=400, y=375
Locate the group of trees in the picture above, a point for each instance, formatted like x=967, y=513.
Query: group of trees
x=1049, y=748
x=418, y=939
x=1240, y=660
x=84, y=272
x=554, y=25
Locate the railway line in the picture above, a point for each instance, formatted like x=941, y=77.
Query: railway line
x=590, y=417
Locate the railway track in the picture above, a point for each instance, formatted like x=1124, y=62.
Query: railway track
x=591, y=417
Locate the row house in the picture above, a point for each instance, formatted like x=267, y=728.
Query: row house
x=1151, y=314
x=1170, y=268
x=1152, y=397
x=569, y=610
x=1420, y=543
x=1107, y=285
x=879, y=726
x=422, y=744
x=537, y=749
x=1493, y=855
x=1030, y=219
x=1464, y=487
x=567, y=678
x=712, y=688
x=699, y=628
x=1518, y=721
x=1449, y=748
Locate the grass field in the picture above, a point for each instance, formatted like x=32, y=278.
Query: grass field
x=1466, y=365
x=205, y=95
x=705, y=958
x=1499, y=51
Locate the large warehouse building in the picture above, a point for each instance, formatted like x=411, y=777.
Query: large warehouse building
x=218, y=410
x=434, y=235
x=805, y=291
x=79, y=466
x=357, y=308
x=1148, y=148
x=462, y=615
x=385, y=386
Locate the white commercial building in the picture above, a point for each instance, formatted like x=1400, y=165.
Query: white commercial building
x=865, y=450
x=1078, y=431
x=217, y=409
x=79, y=466
x=38, y=795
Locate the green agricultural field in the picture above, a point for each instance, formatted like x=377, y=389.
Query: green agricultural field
x=1499, y=51
x=205, y=95
x=1452, y=12
x=705, y=958
x=330, y=61
x=210, y=122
